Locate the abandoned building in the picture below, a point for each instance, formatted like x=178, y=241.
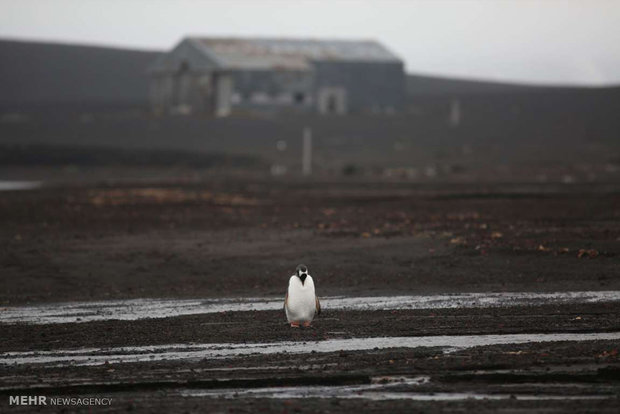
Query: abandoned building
x=221, y=75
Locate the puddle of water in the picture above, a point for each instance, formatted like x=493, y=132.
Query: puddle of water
x=172, y=352
x=380, y=389
x=374, y=393
x=129, y=310
x=269, y=368
x=374, y=390
x=19, y=185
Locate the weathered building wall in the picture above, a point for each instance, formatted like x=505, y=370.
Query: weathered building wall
x=376, y=87
x=255, y=89
x=184, y=80
x=183, y=92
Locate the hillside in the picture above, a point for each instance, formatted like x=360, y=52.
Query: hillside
x=34, y=73
x=436, y=86
x=43, y=73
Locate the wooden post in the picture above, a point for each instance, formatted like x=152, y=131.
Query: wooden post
x=306, y=156
x=455, y=113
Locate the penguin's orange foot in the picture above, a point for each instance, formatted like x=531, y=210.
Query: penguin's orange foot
x=294, y=324
x=307, y=324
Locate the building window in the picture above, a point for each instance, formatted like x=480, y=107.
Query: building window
x=184, y=67
x=299, y=98
x=332, y=104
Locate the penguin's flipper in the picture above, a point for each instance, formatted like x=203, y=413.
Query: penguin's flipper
x=285, y=301
x=318, y=306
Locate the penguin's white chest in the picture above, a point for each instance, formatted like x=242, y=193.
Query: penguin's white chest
x=301, y=300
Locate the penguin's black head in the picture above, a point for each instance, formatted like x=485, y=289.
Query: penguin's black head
x=302, y=272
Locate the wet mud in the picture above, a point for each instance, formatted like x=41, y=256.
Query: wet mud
x=135, y=309
x=437, y=298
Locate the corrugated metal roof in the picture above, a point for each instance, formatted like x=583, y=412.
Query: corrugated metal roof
x=264, y=53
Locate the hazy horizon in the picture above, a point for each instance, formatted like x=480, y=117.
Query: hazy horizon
x=545, y=42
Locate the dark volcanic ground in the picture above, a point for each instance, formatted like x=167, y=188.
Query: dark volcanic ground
x=227, y=238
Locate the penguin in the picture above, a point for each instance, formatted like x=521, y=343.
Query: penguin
x=301, y=303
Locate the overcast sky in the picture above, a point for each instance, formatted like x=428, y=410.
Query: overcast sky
x=545, y=41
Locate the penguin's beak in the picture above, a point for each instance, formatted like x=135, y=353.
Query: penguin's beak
x=302, y=276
